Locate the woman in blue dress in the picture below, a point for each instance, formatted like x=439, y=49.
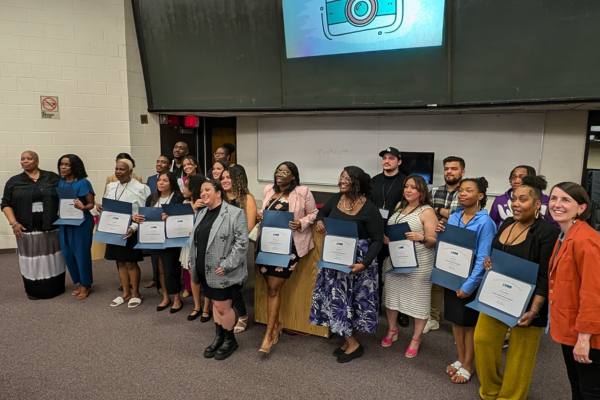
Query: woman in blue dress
x=348, y=302
x=76, y=241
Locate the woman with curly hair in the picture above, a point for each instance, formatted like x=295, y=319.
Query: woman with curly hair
x=348, y=302
x=235, y=185
x=76, y=241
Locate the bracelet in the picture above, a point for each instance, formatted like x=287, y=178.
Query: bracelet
x=14, y=223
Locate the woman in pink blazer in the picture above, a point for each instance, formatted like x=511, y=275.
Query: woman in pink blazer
x=286, y=194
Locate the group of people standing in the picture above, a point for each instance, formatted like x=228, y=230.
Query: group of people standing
x=549, y=230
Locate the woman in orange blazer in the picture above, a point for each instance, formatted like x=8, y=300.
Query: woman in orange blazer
x=574, y=289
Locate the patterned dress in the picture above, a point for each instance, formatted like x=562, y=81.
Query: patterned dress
x=347, y=302
x=410, y=293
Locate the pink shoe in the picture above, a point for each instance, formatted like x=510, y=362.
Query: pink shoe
x=410, y=352
x=390, y=338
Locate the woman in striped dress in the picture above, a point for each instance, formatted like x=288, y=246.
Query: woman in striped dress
x=410, y=293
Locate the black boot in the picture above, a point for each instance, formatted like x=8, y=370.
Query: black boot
x=211, y=350
x=228, y=346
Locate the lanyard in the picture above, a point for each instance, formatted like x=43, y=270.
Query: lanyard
x=384, y=193
x=398, y=219
x=117, y=190
x=468, y=222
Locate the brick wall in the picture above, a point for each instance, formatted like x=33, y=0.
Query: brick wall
x=85, y=52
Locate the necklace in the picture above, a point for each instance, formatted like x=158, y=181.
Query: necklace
x=35, y=179
x=510, y=242
x=344, y=203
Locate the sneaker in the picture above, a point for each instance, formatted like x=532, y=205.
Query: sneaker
x=431, y=325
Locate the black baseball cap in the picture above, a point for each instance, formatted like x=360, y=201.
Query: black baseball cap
x=391, y=150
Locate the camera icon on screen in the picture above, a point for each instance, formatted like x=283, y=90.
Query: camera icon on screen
x=343, y=17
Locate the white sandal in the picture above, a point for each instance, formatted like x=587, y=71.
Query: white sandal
x=241, y=325
x=117, y=301
x=134, y=302
x=456, y=365
x=461, y=373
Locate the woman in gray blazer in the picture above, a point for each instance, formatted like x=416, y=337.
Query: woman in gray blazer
x=218, y=248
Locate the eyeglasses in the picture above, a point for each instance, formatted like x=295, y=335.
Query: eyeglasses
x=282, y=173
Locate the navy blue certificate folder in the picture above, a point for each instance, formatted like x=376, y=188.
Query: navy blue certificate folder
x=339, y=227
x=67, y=193
x=514, y=267
x=178, y=209
x=398, y=232
x=275, y=219
x=173, y=210
x=459, y=237
x=150, y=214
x=121, y=207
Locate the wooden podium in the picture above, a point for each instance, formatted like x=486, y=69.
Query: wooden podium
x=296, y=294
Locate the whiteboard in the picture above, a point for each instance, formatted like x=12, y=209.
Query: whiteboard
x=491, y=144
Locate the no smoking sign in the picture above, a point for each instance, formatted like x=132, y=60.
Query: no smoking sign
x=49, y=107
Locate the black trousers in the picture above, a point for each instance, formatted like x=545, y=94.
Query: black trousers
x=584, y=378
x=172, y=267
x=239, y=304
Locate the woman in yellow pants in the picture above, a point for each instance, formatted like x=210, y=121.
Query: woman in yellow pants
x=528, y=236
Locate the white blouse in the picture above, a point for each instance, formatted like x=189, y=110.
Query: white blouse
x=133, y=192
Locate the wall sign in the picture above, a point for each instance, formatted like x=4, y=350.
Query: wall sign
x=49, y=107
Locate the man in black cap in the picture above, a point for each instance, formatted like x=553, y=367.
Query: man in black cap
x=386, y=192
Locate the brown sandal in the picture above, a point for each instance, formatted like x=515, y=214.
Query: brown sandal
x=83, y=293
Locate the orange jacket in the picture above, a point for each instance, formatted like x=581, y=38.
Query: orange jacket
x=574, y=286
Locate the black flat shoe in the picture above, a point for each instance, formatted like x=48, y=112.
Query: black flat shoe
x=205, y=318
x=193, y=315
x=173, y=310
x=160, y=308
x=344, y=358
x=338, y=352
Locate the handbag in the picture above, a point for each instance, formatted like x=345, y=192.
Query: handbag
x=255, y=232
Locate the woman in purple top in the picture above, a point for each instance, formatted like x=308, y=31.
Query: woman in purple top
x=501, y=208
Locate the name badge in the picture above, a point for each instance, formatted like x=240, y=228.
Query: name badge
x=36, y=207
x=384, y=213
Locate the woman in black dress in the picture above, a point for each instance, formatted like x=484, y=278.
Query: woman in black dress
x=30, y=204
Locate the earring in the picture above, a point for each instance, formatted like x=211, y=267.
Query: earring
x=537, y=213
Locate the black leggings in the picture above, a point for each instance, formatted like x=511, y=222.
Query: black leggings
x=584, y=378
